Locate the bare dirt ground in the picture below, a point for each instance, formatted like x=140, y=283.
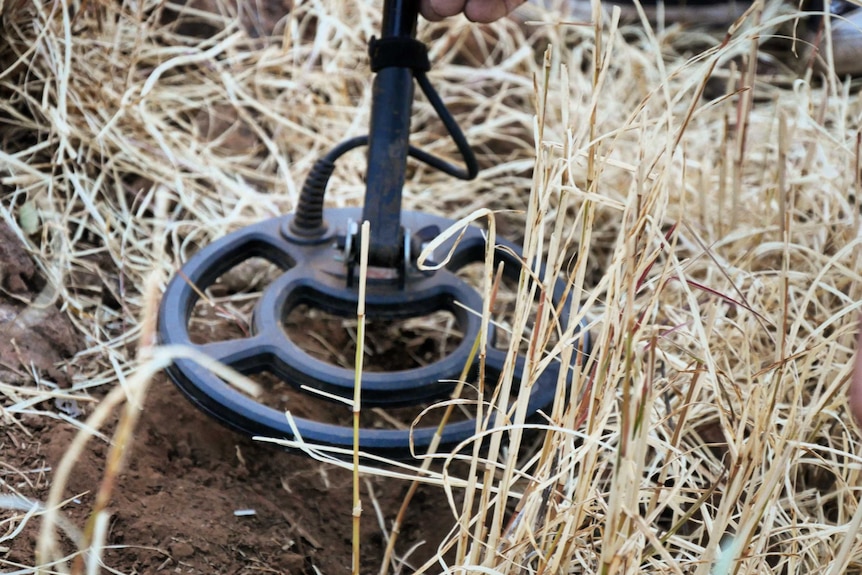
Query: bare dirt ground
x=187, y=476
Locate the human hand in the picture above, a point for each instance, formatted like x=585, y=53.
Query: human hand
x=475, y=10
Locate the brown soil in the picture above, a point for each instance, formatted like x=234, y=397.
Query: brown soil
x=186, y=477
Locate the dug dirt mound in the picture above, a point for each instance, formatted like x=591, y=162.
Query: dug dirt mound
x=197, y=498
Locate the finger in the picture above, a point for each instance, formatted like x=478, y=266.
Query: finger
x=485, y=11
x=438, y=9
x=489, y=10
x=426, y=8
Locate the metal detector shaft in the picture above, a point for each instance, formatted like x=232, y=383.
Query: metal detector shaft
x=391, y=104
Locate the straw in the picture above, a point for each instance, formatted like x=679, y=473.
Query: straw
x=706, y=224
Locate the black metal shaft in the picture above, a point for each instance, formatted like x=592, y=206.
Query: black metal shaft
x=391, y=104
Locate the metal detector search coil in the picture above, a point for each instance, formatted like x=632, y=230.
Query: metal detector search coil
x=316, y=250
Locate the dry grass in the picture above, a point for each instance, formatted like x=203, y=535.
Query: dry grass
x=712, y=241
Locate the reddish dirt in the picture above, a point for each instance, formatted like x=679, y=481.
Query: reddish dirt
x=186, y=476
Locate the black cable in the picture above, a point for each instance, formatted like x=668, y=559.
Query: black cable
x=308, y=220
x=470, y=163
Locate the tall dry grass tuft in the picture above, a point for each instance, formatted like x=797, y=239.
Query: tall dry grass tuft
x=707, y=223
